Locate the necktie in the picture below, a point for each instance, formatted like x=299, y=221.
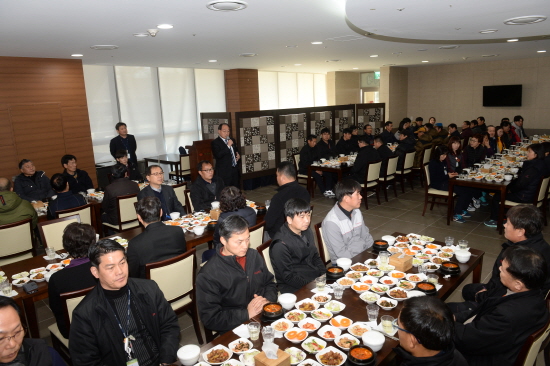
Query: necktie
x=234, y=161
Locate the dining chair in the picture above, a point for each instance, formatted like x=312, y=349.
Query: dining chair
x=256, y=235
x=264, y=252
x=127, y=216
x=539, y=201
x=406, y=171
x=302, y=178
x=184, y=169
x=321, y=246
x=51, y=231
x=85, y=213
x=188, y=201
x=388, y=176
x=179, y=189
x=17, y=241
x=535, y=343
x=371, y=181
x=432, y=192
x=181, y=293
x=69, y=301
x=424, y=158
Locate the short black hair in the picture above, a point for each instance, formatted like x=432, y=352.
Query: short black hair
x=23, y=162
x=231, y=199
x=233, y=224
x=478, y=137
x=8, y=301
x=102, y=247
x=120, y=124
x=363, y=139
x=121, y=153
x=388, y=123
x=150, y=169
x=527, y=217
x=118, y=171
x=311, y=137
x=430, y=320
x=379, y=139
x=453, y=125
x=346, y=187
x=473, y=122
x=526, y=265
x=419, y=119
x=366, y=125
x=481, y=118
x=428, y=126
x=287, y=169
x=148, y=208
x=467, y=123
x=296, y=206
x=538, y=149
x=325, y=130
x=407, y=119
x=505, y=124
x=517, y=118
x=77, y=238
x=438, y=151
x=406, y=132
x=505, y=119
x=66, y=158
x=353, y=128
x=347, y=130
x=201, y=163
x=58, y=182
x=220, y=126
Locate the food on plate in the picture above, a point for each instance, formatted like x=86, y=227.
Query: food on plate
x=241, y=347
x=190, y=216
x=295, y=316
x=369, y=296
x=346, y=342
x=387, y=282
x=306, y=306
x=281, y=326
x=430, y=251
x=417, y=262
x=447, y=250
x=329, y=335
x=355, y=275
x=394, y=250
x=359, y=267
x=360, y=287
x=331, y=358
x=379, y=288
x=346, y=282
x=415, y=278
x=426, y=286
x=358, y=330
x=437, y=260
x=375, y=273
x=335, y=270
x=344, y=322
x=401, y=245
x=272, y=308
x=426, y=238
x=445, y=255
x=432, y=246
x=309, y=326
x=408, y=252
x=295, y=334
x=312, y=346
x=295, y=355
x=333, y=306
x=372, y=263
x=423, y=256
x=20, y=282
x=321, y=298
x=66, y=262
x=386, y=304
x=402, y=239
x=416, y=247
x=406, y=285
x=55, y=266
x=361, y=353
x=217, y=356
x=39, y=276
x=398, y=275
x=398, y=293
x=450, y=265
x=431, y=266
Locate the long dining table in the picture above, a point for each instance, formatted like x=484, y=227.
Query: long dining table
x=356, y=309
x=339, y=170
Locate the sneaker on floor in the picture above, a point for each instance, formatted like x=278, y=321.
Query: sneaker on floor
x=329, y=194
x=491, y=223
x=476, y=203
x=471, y=208
x=483, y=199
x=466, y=214
x=459, y=219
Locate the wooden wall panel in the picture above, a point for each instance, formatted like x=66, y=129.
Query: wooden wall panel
x=5, y=127
x=241, y=92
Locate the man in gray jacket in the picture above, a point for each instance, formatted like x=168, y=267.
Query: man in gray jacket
x=344, y=231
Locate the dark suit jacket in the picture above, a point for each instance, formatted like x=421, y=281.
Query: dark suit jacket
x=224, y=161
x=326, y=150
x=117, y=144
x=346, y=147
x=81, y=183
x=366, y=155
x=384, y=152
x=158, y=242
x=201, y=197
x=275, y=216
x=170, y=198
x=119, y=187
x=64, y=201
x=307, y=156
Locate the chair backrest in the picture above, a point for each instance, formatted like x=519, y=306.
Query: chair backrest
x=184, y=163
x=427, y=155
x=85, y=213
x=16, y=241
x=373, y=171
x=257, y=235
x=543, y=188
x=51, y=231
x=264, y=252
x=427, y=179
x=70, y=300
x=409, y=160
x=528, y=354
x=188, y=202
x=126, y=208
x=182, y=267
x=296, y=161
x=321, y=246
x=179, y=189
x=392, y=165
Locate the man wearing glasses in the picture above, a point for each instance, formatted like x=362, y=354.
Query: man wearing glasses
x=206, y=188
x=168, y=199
x=17, y=350
x=224, y=149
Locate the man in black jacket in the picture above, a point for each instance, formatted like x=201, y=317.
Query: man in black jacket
x=124, y=141
x=168, y=199
x=158, y=242
x=122, y=320
x=384, y=152
x=308, y=155
x=294, y=256
x=366, y=155
x=65, y=199
x=288, y=188
x=206, y=188
x=346, y=145
x=132, y=171
x=224, y=149
x=368, y=133
x=453, y=130
x=32, y=184
x=120, y=186
x=387, y=135
x=406, y=145
x=235, y=283
x=325, y=147
x=79, y=180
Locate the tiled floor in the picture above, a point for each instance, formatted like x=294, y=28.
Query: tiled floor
x=402, y=213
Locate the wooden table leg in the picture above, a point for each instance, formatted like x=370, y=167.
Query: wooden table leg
x=32, y=320
x=476, y=274
x=500, y=227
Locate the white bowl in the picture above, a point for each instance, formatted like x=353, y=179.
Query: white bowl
x=219, y=346
x=315, y=340
x=358, y=326
x=463, y=256
x=14, y=282
x=388, y=281
x=432, y=259
x=199, y=230
x=316, y=323
x=174, y=215
x=299, y=313
x=374, y=340
x=431, y=270
x=233, y=344
x=360, y=287
x=91, y=190
x=295, y=340
x=354, y=275
x=386, y=269
x=308, y=362
x=189, y=354
x=281, y=321
x=335, y=306
x=335, y=322
x=390, y=239
x=387, y=308
x=430, y=251
x=333, y=349
x=348, y=336
x=358, y=268
x=375, y=273
x=369, y=297
x=316, y=296
x=345, y=263
x=416, y=293
x=287, y=301
x=345, y=282
x=33, y=278
x=379, y=288
x=394, y=250
x=366, y=279
x=371, y=263
x=335, y=331
x=307, y=301
x=301, y=353
x=327, y=315
x=242, y=357
x=410, y=277
x=508, y=177
x=397, y=298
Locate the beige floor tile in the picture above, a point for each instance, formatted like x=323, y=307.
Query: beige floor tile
x=489, y=245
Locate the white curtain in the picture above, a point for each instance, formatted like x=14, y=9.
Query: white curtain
x=279, y=90
x=306, y=91
x=268, y=90
x=320, y=89
x=210, y=89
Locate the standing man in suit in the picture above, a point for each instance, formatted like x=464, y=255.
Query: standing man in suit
x=227, y=156
x=124, y=141
x=158, y=242
x=168, y=199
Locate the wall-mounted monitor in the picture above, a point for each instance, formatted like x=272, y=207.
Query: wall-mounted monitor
x=502, y=96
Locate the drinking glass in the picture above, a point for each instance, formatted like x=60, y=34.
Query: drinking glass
x=463, y=244
x=6, y=288
x=50, y=252
x=338, y=291
x=422, y=269
x=449, y=240
x=254, y=330
x=387, y=323
x=384, y=258
x=433, y=278
x=372, y=310
x=267, y=203
x=320, y=282
x=268, y=333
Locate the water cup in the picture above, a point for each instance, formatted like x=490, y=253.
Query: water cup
x=6, y=288
x=254, y=330
x=215, y=205
x=433, y=278
x=320, y=282
x=372, y=311
x=91, y=190
x=174, y=215
x=387, y=323
x=463, y=244
x=268, y=333
x=50, y=252
x=449, y=240
x=384, y=258
x=422, y=269
x=338, y=291
x=267, y=203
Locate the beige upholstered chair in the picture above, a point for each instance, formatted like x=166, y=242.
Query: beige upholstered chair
x=85, y=213
x=51, y=231
x=264, y=252
x=185, y=169
x=179, y=293
x=432, y=192
x=127, y=216
x=188, y=202
x=179, y=189
x=387, y=177
x=407, y=170
x=371, y=181
x=16, y=242
x=256, y=235
x=321, y=246
x=535, y=343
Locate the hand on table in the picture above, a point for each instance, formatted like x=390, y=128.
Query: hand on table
x=320, y=172
x=255, y=306
x=452, y=175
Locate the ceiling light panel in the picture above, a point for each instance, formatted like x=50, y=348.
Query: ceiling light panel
x=529, y=19
x=165, y=26
x=227, y=5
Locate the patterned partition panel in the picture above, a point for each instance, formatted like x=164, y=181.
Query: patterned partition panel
x=374, y=116
x=320, y=120
x=293, y=135
x=344, y=119
x=257, y=144
x=210, y=127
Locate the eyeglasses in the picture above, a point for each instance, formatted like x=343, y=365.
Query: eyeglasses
x=394, y=324
x=207, y=170
x=18, y=336
x=157, y=174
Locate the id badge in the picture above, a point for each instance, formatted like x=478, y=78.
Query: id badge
x=133, y=362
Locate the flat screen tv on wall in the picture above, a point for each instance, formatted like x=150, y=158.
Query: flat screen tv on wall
x=502, y=96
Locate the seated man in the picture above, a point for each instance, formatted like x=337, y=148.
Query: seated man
x=368, y=133
x=453, y=130
x=32, y=185
x=77, y=239
x=346, y=145
x=367, y=154
x=79, y=180
x=132, y=171
x=423, y=139
x=164, y=193
x=354, y=134
x=466, y=131
x=383, y=151
x=426, y=328
x=17, y=350
x=344, y=230
x=325, y=147
x=235, y=284
x=12, y=207
x=122, y=321
x=65, y=199
x=494, y=332
x=294, y=256
x=406, y=145
x=288, y=188
x=206, y=188
x=121, y=186
x=308, y=155
x=441, y=134
x=157, y=242
x=387, y=135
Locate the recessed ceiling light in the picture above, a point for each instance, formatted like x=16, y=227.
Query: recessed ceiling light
x=423, y=49
x=486, y=31
x=373, y=55
x=248, y=54
x=104, y=47
x=541, y=51
x=77, y=55
x=291, y=46
x=396, y=53
x=297, y=64
x=450, y=47
x=512, y=40
x=425, y=61
x=165, y=26
x=212, y=60
x=226, y=5
x=141, y=34
x=489, y=55
x=530, y=19
x=356, y=68
x=317, y=42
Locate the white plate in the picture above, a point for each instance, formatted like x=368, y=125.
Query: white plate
x=397, y=298
x=20, y=275
x=241, y=357
x=364, y=296
x=232, y=345
x=430, y=251
x=338, y=319
x=310, y=301
x=410, y=277
x=292, y=312
x=357, y=287
x=342, y=281
x=295, y=340
x=379, y=288
x=368, y=261
x=387, y=308
x=356, y=275
x=282, y=321
x=319, y=295
x=329, y=349
x=365, y=278
x=356, y=326
x=55, y=266
x=358, y=264
x=219, y=346
x=233, y=362
x=323, y=311
x=325, y=328
x=348, y=336
x=26, y=279
x=319, y=341
x=33, y=277
x=335, y=306
x=384, y=281
x=408, y=285
x=375, y=273
x=431, y=264
x=397, y=274
x=316, y=323
x=309, y=362
x=301, y=354
x=416, y=293
x=416, y=247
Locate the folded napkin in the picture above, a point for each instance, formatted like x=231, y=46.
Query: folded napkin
x=242, y=331
x=13, y=293
x=57, y=256
x=327, y=290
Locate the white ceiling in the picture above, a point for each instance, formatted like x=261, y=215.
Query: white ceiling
x=59, y=28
